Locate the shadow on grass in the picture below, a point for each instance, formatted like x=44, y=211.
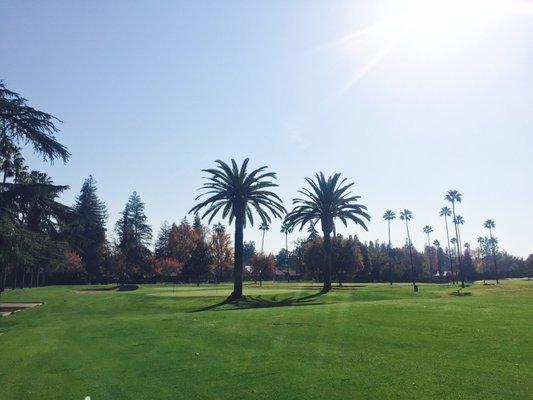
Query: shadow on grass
x=120, y=288
x=249, y=302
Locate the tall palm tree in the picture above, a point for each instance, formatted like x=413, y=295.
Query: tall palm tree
x=263, y=227
x=389, y=216
x=490, y=225
x=237, y=192
x=428, y=230
x=327, y=199
x=436, y=243
x=453, y=196
x=406, y=215
x=447, y=212
x=286, y=229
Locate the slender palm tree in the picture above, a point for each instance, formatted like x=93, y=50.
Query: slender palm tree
x=490, y=225
x=406, y=215
x=436, y=243
x=453, y=196
x=237, y=192
x=263, y=227
x=428, y=230
x=481, y=243
x=447, y=212
x=460, y=221
x=286, y=229
x=389, y=216
x=327, y=199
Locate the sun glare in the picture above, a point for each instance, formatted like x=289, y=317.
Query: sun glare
x=427, y=27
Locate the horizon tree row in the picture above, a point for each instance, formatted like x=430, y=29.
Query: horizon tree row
x=43, y=241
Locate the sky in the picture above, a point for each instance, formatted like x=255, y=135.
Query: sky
x=408, y=99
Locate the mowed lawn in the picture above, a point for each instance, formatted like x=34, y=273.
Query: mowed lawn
x=285, y=342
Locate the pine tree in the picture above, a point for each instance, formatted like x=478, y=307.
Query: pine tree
x=134, y=236
x=161, y=248
x=89, y=236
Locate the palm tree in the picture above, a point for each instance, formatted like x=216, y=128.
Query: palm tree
x=389, y=216
x=436, y=243
x=428, y=230
x=481, y=243
x=237, y=192
x=286, y=229
x=326, y=200
x=490, y=225
x=406, y=215
x=447, y=212
x=460, y=221
x=453, y=196
x=263, y=227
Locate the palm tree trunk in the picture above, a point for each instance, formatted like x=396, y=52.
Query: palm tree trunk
x=449, y=249
x=494, y=257
x=327, y=262
x=237, y=264
x=390, y=262
x=411, y=257
x=287, y=253
x=263, y=241
x=429, y=254
x=461, y=276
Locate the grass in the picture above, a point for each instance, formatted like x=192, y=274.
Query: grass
x=283, y=342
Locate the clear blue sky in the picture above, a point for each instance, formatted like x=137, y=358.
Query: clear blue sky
x=408, y=102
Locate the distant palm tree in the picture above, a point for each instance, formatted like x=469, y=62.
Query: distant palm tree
x=389, y=216
x=428, y=230
x=447, y=212
x=453, y=196
x=490, y=225
x=263, y=227
x=286, y=229
x=436, y=243
x=460, y=221
x=237, y=192
x=326, y=200
x=407, y=215
x=481, y=243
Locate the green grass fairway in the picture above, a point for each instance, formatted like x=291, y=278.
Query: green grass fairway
x=283, y=342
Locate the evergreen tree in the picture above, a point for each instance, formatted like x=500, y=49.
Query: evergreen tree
x=134, y=236
x=89, y=236
x=161, y=248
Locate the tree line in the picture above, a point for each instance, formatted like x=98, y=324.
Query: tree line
x=43, y=241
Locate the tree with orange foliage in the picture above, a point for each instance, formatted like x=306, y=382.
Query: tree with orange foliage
x=263, y=267
x=222, y=252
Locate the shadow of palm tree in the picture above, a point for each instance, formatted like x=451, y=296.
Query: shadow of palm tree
x=260, y=302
